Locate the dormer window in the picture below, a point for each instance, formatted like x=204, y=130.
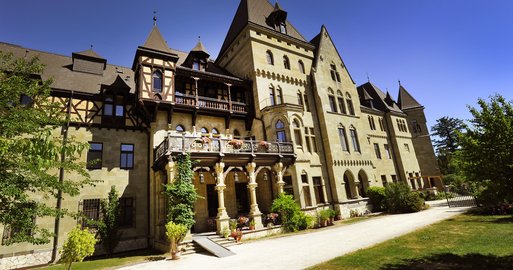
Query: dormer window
x=196, y=65
x=113, y=110
x=157, y=81
x=283, y=28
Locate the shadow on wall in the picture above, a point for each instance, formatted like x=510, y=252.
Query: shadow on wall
x=453, y=261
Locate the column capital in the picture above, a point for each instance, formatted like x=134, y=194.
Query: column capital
x=219, y=168
x=278, y=167
x=251, y=167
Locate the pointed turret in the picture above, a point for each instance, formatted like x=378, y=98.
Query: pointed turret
x=405, y=100
x=197, y=58
x=156, y=42
x=388, y=99
x=200, y=48
x=257, y=12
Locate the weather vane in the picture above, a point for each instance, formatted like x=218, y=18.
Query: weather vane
x=154, y=18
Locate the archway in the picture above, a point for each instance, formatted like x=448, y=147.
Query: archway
x=349, y=186
x=363, y=183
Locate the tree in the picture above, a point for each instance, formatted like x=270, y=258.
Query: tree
x=181, y=193
x=80, y=244
x=108, y=225
x=32, y=151
x=486, y=153
x=446, y=130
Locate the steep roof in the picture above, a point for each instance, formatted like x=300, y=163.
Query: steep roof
x=199, y=48
x=406, y=100
x=254, y=11
x=156, y=42
x=318, y=41
x=59, y=68
x=378, y=97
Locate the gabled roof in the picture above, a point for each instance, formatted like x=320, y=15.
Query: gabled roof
x=254, y=11
x=156, y=42
x=89, y=53
x=318, y=41
x=378, y=98
x=406, y=100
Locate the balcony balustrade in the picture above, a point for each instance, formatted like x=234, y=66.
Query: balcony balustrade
x=211, y=103
x=188, y=143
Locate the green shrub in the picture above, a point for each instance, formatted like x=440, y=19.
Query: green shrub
x=324, y=214
x=108, y=225
x=293, y=219
x=377, y=198
x=175, y=232
x=400, y=199
x=78, y=245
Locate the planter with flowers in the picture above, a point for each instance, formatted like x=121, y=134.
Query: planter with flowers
x=237, y=144
x=263, y=145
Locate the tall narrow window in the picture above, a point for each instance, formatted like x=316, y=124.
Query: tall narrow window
x=271, y=95
x=108, y=106
x=297, y=133
x=319, y=194
x=157, y=81
x=280, y=131
x=354, y=138
x=341, y=104
x=381, y=126
x=126, y=212
x=384, y=180
x=333, y=105
x=335, y=76
x=343, y=138
x=300, y=99
x=270, y=58
x=195, y=64
x=279, y=96
x=301, y=66
x=127, y=156
x=387, y=151
x=307, y=107
x=286, y=62
x=378, y=152
x=407, y=147
x=350, y=107
x=310, y=140
x=283, y=28
x=94, y=156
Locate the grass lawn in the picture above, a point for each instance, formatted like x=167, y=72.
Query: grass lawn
x=116, y=261
x=467, y=241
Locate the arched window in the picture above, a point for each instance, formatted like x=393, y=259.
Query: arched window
x=280, y=131
x=333, y=103
x=270, y=58
x=286, y=62
x=347, y=187
x=271, y=95
x=343, y=138
x=215, y=131
x=350, y=107
x=301, y=66
x=157, y=81
x=236, y=134
x=354, y=139
x=341, y=103
x=180, y=128
x=297, y=132
x=204, y=130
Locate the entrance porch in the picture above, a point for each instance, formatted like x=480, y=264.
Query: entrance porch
x=233, y=178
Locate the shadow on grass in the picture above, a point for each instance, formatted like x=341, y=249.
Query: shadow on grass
x=155, y=258
x=451, y=261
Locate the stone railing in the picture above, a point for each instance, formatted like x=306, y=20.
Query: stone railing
x=211, y=103
x=189, y=143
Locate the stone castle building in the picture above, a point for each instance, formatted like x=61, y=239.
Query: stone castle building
x=273, y=113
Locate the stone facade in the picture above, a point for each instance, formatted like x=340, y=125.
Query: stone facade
x=274, y=113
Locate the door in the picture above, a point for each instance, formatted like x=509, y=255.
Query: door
x=212, y=200
x=241, y=191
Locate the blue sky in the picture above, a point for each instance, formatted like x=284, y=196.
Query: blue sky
x=446, y=53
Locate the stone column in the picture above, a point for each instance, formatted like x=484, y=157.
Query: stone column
x=170, y=170
x=254, y=212
x=278, y=168
x=222, y=219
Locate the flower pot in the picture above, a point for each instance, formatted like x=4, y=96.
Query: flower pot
x=251, y=227
x=331, y=220
x=176, y=255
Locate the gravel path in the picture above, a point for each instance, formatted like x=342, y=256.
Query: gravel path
x=304, y=250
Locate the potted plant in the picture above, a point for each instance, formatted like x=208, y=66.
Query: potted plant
x=332, y=215
x=238, y=235
x=243, y=222
x=263, y=145
x=225, y=232
x=175, y=233
x=324, y=217
x=233, y=225
x=252, y=224
x=236, y=143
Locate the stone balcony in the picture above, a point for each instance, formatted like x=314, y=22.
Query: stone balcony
x=210, y=150
x=211, y=103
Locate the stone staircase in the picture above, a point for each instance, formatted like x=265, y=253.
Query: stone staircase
x=192, y=247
